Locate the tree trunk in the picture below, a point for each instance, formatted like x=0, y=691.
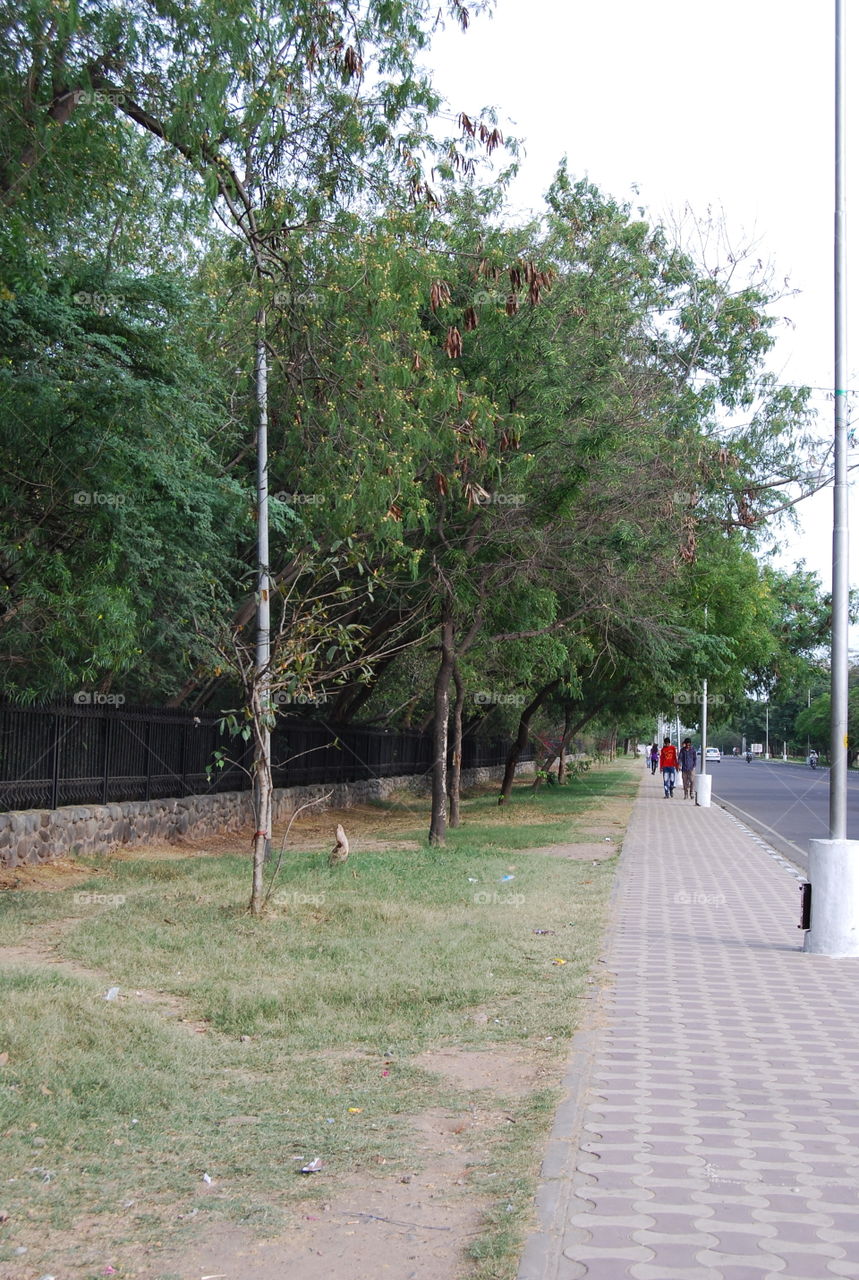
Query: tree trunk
x=260, y=700
x=521, y=741
x=456, y=768
x=565, y=745
x=262, y=808
x=542, y=766
x=441, y=709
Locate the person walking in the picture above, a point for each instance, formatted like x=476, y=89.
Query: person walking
x=654, y=759
x=668, y=765
x=687, y=759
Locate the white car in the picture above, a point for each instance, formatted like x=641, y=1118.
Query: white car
x=712, y=753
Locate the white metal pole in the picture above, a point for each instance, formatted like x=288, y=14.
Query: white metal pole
x=833, y=864
x=263, y=618
x=840, y=531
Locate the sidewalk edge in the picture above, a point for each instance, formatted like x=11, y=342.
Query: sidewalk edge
x=540, y=1257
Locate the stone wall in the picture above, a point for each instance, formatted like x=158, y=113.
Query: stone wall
x=38, y=835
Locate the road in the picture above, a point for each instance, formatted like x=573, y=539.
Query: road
x=787, y=803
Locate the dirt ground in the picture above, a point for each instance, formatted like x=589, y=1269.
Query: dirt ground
x=416, y=1226
x=48, y=877
x=407, y=1226
x=314, y=832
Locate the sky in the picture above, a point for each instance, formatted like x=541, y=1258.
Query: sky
x=723, y=106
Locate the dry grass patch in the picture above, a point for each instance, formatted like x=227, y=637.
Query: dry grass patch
x=409, y=983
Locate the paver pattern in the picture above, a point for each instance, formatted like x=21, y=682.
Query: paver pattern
x=712, y=1126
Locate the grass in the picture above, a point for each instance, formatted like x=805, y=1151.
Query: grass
x=113, y=1110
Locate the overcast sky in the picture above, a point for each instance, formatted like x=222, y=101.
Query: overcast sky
x=670, y=103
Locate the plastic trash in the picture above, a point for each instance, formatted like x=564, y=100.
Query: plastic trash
x=207, y=1179
x=111, y=994
x=313, y=1167
x=504, y=879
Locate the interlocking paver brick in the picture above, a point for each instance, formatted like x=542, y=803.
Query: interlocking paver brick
x=729, y=1265
x=682, y=1242
x=678, y=1222
x=717, y=1136
x=616, y=1247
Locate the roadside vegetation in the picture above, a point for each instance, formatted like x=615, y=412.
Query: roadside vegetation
x=244, y=1048
x=519, y=470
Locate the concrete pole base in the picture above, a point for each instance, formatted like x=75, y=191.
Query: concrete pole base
x=705, y=786
x=833, y=870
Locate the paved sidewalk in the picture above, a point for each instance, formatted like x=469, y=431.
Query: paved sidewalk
x=711, y=1130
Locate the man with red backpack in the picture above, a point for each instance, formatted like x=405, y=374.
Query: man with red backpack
x=668, y=766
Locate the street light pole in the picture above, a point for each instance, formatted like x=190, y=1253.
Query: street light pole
x=705, y=782
x=833, y=864
x=840, y=530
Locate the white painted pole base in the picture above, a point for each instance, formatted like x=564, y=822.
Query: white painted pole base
x=833, y=870
x=705, y=786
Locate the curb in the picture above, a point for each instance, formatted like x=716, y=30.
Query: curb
x=780, y=843
x=541, y=1254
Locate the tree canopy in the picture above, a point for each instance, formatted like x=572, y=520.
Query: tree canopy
x=530, y=461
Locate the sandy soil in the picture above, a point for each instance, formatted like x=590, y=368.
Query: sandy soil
x=373, y=1223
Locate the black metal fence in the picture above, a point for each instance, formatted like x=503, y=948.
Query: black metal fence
x=59, y=755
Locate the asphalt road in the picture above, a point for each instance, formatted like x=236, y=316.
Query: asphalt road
x=787, y=803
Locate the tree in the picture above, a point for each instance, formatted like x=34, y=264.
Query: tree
x=114, y=518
